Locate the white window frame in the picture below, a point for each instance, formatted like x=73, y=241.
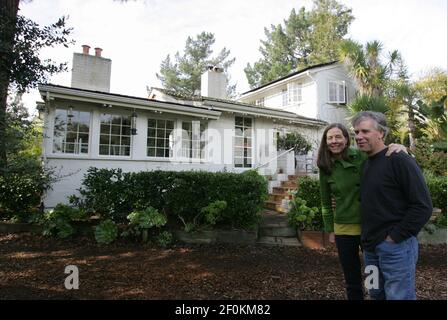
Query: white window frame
x=295, y=92
x=121, y=135
x=77, y=149
x=247, y=143
x=169, y=139
x=285, y=97
x=193, y=142
x=340, y=92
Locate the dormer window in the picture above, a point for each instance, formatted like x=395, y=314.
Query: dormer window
x=337, y=92
x=294, y=92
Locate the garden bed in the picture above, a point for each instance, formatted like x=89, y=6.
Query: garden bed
x=32, y=267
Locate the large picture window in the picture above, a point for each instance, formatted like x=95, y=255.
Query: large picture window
x=115, y=135
x=243, y=142
x=71, y=131
x=193, y=139
x=160, y=138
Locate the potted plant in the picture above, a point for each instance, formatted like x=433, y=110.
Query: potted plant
x=309, y=223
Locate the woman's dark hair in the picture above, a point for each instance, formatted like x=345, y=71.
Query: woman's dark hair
x=325, y=160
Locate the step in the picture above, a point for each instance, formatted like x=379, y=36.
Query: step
x=277, y=231
x=273, y=205
x=275, y=197
x=289, y=184
x=279, y=241
x=282, y=189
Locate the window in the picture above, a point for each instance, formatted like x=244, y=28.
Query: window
x=294, y=92
x=260, y=102
x=285, y=97
x=115, y=135
x=193, y=139
x=243, y=142
x=71, y=131
x=160, y=138
x=337, y=92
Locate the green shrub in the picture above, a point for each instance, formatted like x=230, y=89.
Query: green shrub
x=106, y=232
x=165, y=239
x=309, y=190
x=302, y=216
x=438, y=190
x=59, y=221
x=178, y=194
x=21, y=187
x=293, y=140
x=141, y=221
x=429, y=159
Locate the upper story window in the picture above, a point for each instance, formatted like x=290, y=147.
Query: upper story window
x=193, y=139
x=260, y=102
x=294, y=92
x=115, y=135
x=71, y=131
x=337, y=92
x=285, y=97
x=160, y=138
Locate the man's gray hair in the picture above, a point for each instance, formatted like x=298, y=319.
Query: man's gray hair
x=378, y=117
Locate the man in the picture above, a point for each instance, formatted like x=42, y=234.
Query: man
x=395, y=205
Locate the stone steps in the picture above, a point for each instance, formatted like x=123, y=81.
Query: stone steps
x=275, y=231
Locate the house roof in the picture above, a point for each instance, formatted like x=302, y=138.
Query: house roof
x=125, y=101
x=291, y=75
x=237, y=106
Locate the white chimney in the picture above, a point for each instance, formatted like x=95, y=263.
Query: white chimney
x=91, y=72
x=214, y=83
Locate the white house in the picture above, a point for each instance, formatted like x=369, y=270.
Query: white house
x=321, y=92
x=85, y=125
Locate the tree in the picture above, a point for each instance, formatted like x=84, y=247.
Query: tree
x=183, y=75
x=20, y=66
x=307, y=38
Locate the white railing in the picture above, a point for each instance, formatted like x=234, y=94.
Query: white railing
x=280, y=155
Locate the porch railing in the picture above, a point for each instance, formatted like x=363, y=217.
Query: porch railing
x=280, y=155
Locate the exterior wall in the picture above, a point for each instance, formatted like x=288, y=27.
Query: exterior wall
x=91, y=72
x=332, y=112
x=218, y=148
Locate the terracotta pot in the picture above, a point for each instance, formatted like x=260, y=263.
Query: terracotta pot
x=314, y=239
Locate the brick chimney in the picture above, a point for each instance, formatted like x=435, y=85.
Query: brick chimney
x=91, y=72
x=98, y=52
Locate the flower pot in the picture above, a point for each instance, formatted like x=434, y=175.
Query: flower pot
x=314, y=239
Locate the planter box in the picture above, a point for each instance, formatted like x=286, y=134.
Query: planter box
x=314, y=239
x=437, y=237
x=218, y=236
x=8, y=227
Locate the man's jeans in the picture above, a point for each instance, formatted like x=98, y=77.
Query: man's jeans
x=397, y=269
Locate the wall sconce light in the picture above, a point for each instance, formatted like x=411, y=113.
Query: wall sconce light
x=134, y=117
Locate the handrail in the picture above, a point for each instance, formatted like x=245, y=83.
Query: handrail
x=260, y=166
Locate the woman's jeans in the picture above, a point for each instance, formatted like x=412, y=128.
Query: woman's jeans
x=396, y=263
x=348, y=252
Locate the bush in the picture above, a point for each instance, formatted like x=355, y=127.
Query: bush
x=141, y=221
x=58, y=221
x=293, y=140
x=438, y=190
x=429, y=159
x=165, y=239
x=308, y=200
x=179, y=194
x=21, y=187
x=106, y=232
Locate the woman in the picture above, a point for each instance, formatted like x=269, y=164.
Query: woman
x=340, y=169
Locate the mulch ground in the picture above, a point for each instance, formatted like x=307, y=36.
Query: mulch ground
x=32, y=267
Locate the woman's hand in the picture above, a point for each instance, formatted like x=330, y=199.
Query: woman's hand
x=332, y=237
x=394, y=147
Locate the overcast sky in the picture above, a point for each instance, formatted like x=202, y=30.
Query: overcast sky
x=138, y=35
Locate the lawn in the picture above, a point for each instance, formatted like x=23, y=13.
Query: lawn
x=32, y=267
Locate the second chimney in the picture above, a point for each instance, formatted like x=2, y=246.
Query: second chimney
x=98, y=52
x=85, y=49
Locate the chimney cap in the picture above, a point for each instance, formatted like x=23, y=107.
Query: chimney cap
x=85, y=49
x=98, y=51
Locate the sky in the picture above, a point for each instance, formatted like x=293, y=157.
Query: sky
x=138, y=35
